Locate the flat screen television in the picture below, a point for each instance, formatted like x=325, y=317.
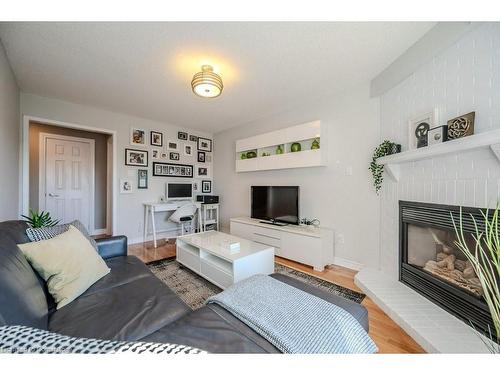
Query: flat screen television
x=276, y=204
x=178, y=191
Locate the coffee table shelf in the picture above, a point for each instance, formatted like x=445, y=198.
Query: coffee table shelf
x=208, y=255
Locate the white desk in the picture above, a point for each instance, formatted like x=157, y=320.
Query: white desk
x=149, y=212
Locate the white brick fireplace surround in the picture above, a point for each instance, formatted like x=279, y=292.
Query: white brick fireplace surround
x=463, y=78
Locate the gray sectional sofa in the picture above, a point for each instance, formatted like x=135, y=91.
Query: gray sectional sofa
x=130, y=303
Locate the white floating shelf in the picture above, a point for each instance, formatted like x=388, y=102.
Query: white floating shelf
x=268, y=142
x=489, y=140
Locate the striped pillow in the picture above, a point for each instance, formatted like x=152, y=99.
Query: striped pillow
x=46, y=233
x=21, y=339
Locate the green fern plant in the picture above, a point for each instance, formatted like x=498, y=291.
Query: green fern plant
x=377, y=170
x=485, y=260
x=40, y=219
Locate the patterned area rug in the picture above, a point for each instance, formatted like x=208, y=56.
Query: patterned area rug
x=195, y=290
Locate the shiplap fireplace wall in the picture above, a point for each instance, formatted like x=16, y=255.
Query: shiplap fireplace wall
x=463, y=78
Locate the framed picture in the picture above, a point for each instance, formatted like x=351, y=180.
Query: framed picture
x=193, y=138
x=202, y=172
x=142, y=179
x=461, y=126
x=126, y=186
x=188, y=150
x=204, y=144
x=136, y=158
x=137, y=137
x=206, y=186
x=182, y=136
x=172, y=170
x=417, y=126
x=174, y=156
x=163, y=155
x=156, y=139
x=172, y=145
x=195, y=186
x=201, y=156
x=156, y=153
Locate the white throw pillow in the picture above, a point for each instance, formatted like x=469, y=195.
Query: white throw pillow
x=67, y=262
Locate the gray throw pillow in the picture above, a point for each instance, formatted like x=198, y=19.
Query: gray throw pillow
x=46, y=233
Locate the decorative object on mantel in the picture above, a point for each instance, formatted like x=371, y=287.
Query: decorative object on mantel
x=315, y=144
x=430, y=118
x=439, y=134
x=461, y=126
x=421, y=133
x=295, y=147
x=243, y=156
x=485, y=260
x=384, y=149
x=279, y=150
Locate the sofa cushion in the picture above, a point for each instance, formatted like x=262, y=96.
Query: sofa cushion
x=123, y=271
x=67, y=262
x=22, y=299
x=215, y=330
x=127, y=311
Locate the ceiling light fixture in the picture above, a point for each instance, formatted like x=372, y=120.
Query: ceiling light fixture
x=206, y=83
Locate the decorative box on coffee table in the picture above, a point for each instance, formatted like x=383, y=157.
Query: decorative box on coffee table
x=224, y=259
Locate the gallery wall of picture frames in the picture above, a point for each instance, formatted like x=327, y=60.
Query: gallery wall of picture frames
x=169, y=157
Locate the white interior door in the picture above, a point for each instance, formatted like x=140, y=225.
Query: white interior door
x=67, y=178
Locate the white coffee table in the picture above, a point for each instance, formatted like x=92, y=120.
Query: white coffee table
x=208, y=254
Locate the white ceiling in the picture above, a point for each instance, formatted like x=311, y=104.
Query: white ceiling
x=145, y=69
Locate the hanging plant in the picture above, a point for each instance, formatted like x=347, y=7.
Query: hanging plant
x=384, y=149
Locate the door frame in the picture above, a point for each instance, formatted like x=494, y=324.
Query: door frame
x=42, y=158
x=112, y=227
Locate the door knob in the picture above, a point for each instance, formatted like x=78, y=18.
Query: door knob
x=53, y=195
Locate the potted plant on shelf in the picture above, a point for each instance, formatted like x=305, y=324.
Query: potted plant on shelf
x=485, y=260
x=384, y=149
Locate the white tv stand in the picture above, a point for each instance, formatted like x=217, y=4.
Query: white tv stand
x=305, y=244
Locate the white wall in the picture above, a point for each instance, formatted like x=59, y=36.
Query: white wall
x=9, y=140
x=344, y=202
x=130, y=209
x=463, y=78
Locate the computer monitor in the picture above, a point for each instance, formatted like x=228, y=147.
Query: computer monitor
x=178, y=190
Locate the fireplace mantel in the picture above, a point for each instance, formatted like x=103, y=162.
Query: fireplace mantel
x=489, y=140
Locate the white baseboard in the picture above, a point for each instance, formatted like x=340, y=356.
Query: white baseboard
x=347, y=263
x=98, y=232
x=159, y=236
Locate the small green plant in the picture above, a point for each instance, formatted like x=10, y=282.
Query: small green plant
x=485, y=260
x=377, y=170
x=40, y=219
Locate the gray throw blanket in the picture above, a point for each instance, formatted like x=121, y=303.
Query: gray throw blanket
x=292, y=320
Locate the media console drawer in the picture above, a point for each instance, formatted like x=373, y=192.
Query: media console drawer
x=311, y=246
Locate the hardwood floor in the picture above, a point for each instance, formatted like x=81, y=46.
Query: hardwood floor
x=388, y=336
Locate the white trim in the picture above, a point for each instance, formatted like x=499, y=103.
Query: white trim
x=490, y=139
x=439, y=38
x=24, y=163
x=42, y=156
x=347, y=263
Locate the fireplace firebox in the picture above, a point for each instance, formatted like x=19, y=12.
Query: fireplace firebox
x=432, y=264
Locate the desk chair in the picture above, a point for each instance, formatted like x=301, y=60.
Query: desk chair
x=184, y=215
